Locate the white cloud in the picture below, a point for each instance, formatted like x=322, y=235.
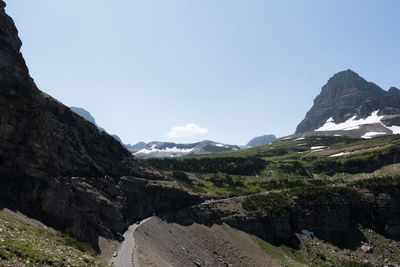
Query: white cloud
x=187, y=130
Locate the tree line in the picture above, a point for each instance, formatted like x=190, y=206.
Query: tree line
x=230, y=165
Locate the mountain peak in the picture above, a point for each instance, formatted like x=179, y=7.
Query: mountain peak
x=345, y=75
x=346, y=94
x=394, y=90
x=347, y=72
x=349, y=79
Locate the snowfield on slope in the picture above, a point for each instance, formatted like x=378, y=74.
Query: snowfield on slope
x=339, y=154
x=369, y=135
x=354, y=124
x=153, y=149
x=350, y=124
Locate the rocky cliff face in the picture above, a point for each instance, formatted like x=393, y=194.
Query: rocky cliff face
x=347, y=95
x=60, y=167
x=87, y=116
x=333, y=217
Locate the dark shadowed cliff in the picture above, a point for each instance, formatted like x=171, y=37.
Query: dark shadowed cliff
x=60, y=168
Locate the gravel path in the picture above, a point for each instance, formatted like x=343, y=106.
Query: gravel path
x=124, y=257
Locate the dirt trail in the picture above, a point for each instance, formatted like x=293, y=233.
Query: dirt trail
x=126, y=257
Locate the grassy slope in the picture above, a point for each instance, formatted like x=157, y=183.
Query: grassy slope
x=291, y=169
x=26, y=245
x=286, y=164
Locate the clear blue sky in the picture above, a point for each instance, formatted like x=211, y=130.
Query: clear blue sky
x=236, y=68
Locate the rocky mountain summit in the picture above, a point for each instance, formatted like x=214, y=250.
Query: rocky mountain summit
x=58, y=167
x=261, y=140
x=166, y=149
x=350, y=105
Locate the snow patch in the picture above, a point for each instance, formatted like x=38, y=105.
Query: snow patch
x=350, y=124
x=369, y=135
x=354, y=124
x=339, y=154
x=352, y=128
x=298, y=139
x=394, y=129
x=153, y=149
x=220, y=145
x=317, y=147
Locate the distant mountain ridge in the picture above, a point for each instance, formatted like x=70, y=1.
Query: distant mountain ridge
x=168, y=149
x=261, y=140
x=162, y=149
x=87, y=116
x=136, y=147
x=350, y=105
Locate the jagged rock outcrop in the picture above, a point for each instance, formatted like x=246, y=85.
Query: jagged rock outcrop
x=61, y=168
x=347, y=95
x=261, y=140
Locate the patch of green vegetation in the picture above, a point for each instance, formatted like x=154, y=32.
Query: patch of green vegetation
x=72, y=242
x=350, y=263
x=195, y=187
x=379, y=184
x=226, y=190
x=286, y=168
x=272, y=251
x=296, y=183
x=327, y=193
x=28, y=245
x=293, y=253
x=5, y=255
x=356, y=163
x=230, y=165
x=181, y=176
x=281, y=253
x=319, y=259
x=274, y=203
